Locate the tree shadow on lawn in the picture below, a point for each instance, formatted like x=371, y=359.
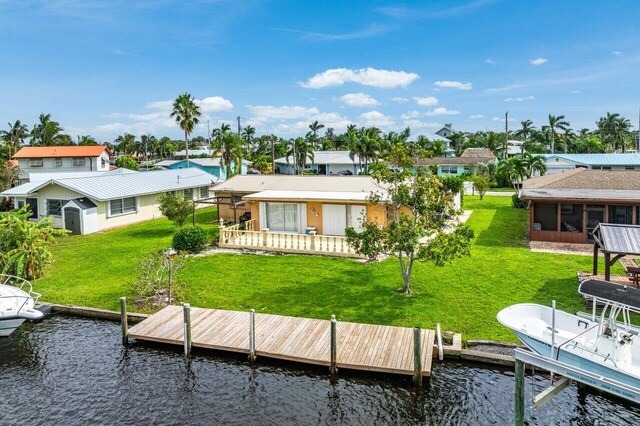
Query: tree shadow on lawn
x=506, y=227
x=146, y=233
x=564, y=291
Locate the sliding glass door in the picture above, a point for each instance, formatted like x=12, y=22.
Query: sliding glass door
x=282, y=217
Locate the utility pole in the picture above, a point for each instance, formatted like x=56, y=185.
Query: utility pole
x=506, y=132
x=239, y=128
x=273, y=156
x=208, y=135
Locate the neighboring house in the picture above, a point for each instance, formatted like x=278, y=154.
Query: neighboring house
x=446, y=131
x=515, y=148
x=182, y=155
x=209, y=165
x=324, y=163
x=566, y=206
x=433, y=137
x=89, y=204
x=291, y=204
x=560, y=162
x=467, y=163
x=55, y=159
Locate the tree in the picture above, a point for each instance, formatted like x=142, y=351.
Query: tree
x=511, y=170
x=229, y=145
x=481, y=183
x=15, y=136
x=418, y=205
x=48, y=133
x=299, y=151
x=125, y=143
x=152, y=271
x=531, y=163
x=127, y=162
x=556, y=123
x=87, y=140
x=186, y=113
x=175, y=208
x=615, y=130
x=25, y=246
x=525, y=130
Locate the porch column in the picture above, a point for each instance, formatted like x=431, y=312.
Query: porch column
x=595, y=259
x=559, y=216
x=607, y=266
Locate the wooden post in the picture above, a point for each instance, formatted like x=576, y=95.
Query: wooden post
x=124, y=321
x=595, y=258
x=519, y=394
x=186, y=308
x=252, y=335
x=607, y=266
x=333, y=366
x=417, y=357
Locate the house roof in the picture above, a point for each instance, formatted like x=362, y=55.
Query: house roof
x=110, y=186
x=84, y=203
x=434, y=136
x=251, y=184
x=613, y=159
x=308, y=195
x=194, y=152
x=470, y=157
x=477, y=153
x=40, y=177
x=616, y=238
x=324, y=157
x=204, y=162
x=584, y=184
x=61, y=151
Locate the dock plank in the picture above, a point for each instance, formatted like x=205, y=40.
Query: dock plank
x=366, y=347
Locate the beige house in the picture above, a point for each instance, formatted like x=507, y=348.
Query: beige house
x=88, y=204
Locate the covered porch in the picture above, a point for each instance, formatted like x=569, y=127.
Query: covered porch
x=617, y=242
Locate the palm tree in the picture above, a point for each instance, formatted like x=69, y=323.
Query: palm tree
x=15, y=136
x=351, y=142
x=300, y=150
x=229, y=145
x=369, y=145
x=530, y=163
x=87, y=140
x=556, y=123
x=125, y=142
x=186, y=113
x=248, y=134
x=512, y=169
x=525, y=131
x=615, y=128
x=48, y=133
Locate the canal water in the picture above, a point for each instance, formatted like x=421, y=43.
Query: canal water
x=70, y=371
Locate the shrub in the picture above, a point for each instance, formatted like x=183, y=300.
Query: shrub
x=152, y=272
x=191, y=239
x=175, y=208
x=455, y=184
x=517, y=202
x=127, y=162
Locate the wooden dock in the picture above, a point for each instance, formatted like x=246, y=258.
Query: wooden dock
x=367, y=347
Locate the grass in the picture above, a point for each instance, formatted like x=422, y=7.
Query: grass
x=503, y=189
x=465, y=296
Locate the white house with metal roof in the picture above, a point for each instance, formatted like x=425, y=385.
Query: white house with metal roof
x=560, y=162
x=89, y=204
x=323, y=163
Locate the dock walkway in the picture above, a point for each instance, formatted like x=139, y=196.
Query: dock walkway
x=367, y=347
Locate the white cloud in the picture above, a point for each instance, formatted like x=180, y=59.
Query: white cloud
x=375, y=119
x=427, y=101
x=441, y=111
x=520, y=99
x=490, y=61
x=417, y=124
x=538, y=61
x=359, y=100
x=383, y=79
x=616, y=52
x=476, y=116
x=411, y=114
x=454, y=85
x=502, y=119
x=264, y=113
x=209, y=104
x=162, y=105
x=400, y=99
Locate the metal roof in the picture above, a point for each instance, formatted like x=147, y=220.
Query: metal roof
x=256, y=183
x=204, y=162
x=108, y=187
x=324, y=157
x=579, y=194
x=616, y=238
x=40, y=177
x=613, y=159
x=309, y=195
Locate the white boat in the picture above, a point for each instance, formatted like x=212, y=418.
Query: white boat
x=17, y=303
x=606, y=345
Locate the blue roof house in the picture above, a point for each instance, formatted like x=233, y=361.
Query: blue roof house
x=209, y=165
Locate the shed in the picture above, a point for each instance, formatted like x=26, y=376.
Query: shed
x=617, y=240
x=80, y=216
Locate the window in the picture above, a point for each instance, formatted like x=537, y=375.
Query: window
x=20, y=204
x=54, y=207
x=545, y=217
x=620, y=214
x=571, y=217
x=452, y=170
x=57, y=162
x=122, y=206
x=35, y=163
x=282, y=217
x=78, y=162
x=188, y=194
x=103, y=162
x=204, y=192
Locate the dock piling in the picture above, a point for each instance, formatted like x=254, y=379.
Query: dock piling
x=519, y=394
x=333, y=367
x=124, y=322
x=187, y=328
x=417, y=356
x=252, y=335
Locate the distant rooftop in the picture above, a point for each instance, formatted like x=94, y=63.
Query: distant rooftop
x=258, y=183
x=324, y=157
x=60, y=151
x=613, y=159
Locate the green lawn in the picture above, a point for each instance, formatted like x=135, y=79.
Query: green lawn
x=465, y=296
x=502, y=189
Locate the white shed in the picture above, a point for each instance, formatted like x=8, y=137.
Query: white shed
x=80, y=216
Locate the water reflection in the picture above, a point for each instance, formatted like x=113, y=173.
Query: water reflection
x=75, y=371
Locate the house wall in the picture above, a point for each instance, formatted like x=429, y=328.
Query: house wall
x=48, y=165
x=218, y=171
x=332, y=169
x=226, y=212
x=314, y=215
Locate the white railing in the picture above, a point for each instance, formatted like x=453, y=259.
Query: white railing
x=234, y=237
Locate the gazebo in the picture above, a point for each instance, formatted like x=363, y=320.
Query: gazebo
x=615, y=241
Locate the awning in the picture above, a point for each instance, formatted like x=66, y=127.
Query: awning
x=616, y=293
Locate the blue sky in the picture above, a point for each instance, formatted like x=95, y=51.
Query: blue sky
x=107, y=67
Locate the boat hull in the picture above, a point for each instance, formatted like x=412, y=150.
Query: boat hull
x=8, y=325
x=567, y=357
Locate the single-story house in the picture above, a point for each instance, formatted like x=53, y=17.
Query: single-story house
x=181, y=155
x=515, y=148
x=61, y=159
x=467, y=163
x=89, y=204
x=209, y=165
x=560, y=162
x=292, y=204
x=323, y=163
x=567, y=206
